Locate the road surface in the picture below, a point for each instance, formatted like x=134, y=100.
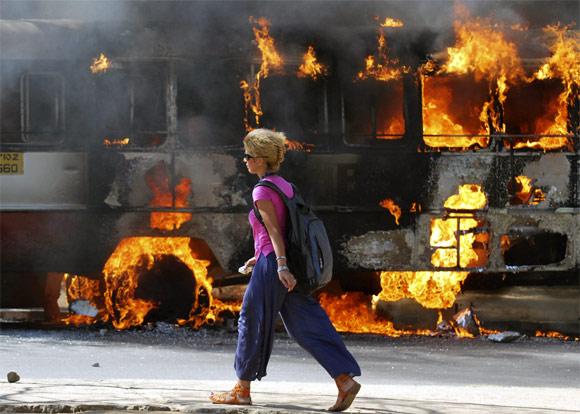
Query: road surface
x=170, y=368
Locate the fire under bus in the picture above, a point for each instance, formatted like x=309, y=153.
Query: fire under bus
x=446, y=180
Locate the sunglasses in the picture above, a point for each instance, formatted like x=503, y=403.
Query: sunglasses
x=249, y=157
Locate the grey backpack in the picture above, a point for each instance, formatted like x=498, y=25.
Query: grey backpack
x=308, y=248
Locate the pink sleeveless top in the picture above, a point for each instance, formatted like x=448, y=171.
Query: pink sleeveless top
x=262, y=243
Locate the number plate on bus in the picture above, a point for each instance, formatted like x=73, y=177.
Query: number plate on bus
x=11, y=163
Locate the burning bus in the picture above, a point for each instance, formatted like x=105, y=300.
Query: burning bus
x=439, y=144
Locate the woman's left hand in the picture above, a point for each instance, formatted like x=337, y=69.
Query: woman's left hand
x=287, y=279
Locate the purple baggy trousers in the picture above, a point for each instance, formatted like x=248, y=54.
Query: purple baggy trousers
x=303, y=317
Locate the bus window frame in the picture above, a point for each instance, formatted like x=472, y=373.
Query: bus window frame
x=59, y=130
x=133, y=70
x=351, y=139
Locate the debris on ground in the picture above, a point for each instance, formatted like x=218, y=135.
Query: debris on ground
x=466, y=321
x=506, y=336
x=13, y=376
x=444, y=327
x=164, y=327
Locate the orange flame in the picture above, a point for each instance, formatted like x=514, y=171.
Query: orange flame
x=310, y=66
x=483, y=51
x=446, y=233
x=415, y=207
x=430, y=289
x=525, y=192
x=545, y=143
x=270, y=60
x=292, y=145
x=393, y=208
x=564, y=64
x=395, y=128
x=158, y=181
x=441, y=129
x=352, y=312
x=100, y=64
x=469, y=197
x=116, y=142
x=461, y=331
x=121, y=273
x=251, y=102
x=382, y=67
x=553, y=334
x=134, y=254
x=519, y=27
x=491, y=115
x=392, y=22
x=82, y=288
x=270, y=56
x=504, y=243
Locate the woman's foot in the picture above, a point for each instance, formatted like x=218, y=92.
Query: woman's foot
x=239, y=395
x=347, y=391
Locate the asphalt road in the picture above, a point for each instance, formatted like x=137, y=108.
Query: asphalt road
x=175, y=368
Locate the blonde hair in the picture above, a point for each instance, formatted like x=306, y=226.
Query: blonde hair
x=266, y=144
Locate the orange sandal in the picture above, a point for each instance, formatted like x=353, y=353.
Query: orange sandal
x=345, y=397
x=239, y=395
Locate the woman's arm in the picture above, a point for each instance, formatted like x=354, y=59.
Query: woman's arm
x=268, y=213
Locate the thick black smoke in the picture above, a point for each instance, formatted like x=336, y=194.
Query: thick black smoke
x=214, y=39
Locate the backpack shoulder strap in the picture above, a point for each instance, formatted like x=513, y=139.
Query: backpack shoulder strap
x=272, y=186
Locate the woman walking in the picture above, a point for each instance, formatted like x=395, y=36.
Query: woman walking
x=271, y=290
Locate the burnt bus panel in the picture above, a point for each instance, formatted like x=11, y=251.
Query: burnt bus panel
x=131, y=177
x=138, y=176
x=551, y=174
x=80, y=242
x=216, y=179
x=13, y=294
x=56, y=241
x=536, y=248
x=519, y=225
x=450, y=170
x=359, y=180
x=51, y=181
x=227, y=235
x=379, y=250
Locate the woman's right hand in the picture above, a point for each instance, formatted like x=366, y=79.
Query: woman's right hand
x=248, y=266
